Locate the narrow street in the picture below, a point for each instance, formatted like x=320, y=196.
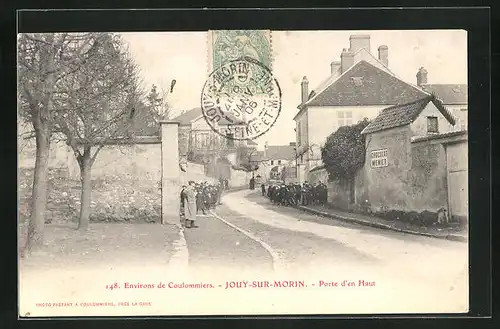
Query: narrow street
x=409, y=273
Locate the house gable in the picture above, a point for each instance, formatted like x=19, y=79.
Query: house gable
x=364, y=85
x=404, y=114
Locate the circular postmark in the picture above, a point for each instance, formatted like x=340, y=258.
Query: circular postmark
x=241, y=100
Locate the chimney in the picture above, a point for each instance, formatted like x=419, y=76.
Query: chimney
x=421, y=76
x=335, y=66
x=346, y=60
x=305, y=89
x=383, y=55
x=359, y=41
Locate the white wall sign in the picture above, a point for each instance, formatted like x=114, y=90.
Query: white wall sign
x=379, y=158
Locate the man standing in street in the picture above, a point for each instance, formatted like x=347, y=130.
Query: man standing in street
x=190, y=205
x=183, y=198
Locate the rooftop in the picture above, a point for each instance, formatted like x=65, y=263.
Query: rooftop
x=403, y=114
x=188, y=117
x=449, y=94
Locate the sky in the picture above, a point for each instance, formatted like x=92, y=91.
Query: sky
x=183, y=56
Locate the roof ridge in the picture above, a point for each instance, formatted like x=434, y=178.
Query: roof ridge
x=335, y=80
x=426, y=98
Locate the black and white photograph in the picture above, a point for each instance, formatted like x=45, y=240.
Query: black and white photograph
x=242, y=172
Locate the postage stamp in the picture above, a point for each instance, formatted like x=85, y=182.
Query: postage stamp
x=243, y=94
x=229, y=45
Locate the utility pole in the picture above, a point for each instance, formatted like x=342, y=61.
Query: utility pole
x=296, y=165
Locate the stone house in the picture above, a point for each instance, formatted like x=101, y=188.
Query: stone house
x=415, y=161
x=359, y=86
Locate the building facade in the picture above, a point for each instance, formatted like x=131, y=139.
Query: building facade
x=415, y=161
x=359, y=86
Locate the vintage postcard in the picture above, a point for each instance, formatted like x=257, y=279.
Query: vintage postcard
x=243, y=172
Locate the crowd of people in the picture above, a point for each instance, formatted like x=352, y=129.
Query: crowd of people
x=293, y=194
x=196, y=198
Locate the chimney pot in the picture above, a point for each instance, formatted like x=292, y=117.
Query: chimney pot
x=335, y=66
x=305, y=89
x=346, y=61
x=383, y=55
x=359, y=41
x=421, y=76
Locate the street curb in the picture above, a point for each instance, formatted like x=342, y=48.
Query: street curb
x=451, y=237
x=278, y=265
x=179, y=260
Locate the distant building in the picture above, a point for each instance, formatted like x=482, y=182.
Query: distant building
x=273, y=159
x=198, y=142
x=202, y=138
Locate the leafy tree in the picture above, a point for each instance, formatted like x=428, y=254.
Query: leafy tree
x=43, y=61
x=344, y=151
x=96, y=107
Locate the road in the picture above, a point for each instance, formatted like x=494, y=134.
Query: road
x=248, y=237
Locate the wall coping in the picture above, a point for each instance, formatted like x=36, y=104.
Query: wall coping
x=445, y=138
x=170, y=122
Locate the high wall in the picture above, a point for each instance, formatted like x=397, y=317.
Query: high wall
x=414, y=178
x=134, y=161
x=26, y=153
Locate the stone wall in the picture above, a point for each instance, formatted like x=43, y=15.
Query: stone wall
x=413, y=179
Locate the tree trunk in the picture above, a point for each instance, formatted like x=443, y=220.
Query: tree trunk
x=39, y=192
x=86, y=179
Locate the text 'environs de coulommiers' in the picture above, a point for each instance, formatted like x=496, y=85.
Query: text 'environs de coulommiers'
x=248, y=284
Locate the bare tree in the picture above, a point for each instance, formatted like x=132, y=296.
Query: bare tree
x=96, y=107
x=43, y=61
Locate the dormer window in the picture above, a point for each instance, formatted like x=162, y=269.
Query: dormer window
x=357, y=81
x=432, y=125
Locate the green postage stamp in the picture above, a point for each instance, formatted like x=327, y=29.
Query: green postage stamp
x=230, y=45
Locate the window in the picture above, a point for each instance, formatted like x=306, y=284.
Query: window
x=432, y=125
x=230, y=139
x=379, y=158
x=203, y=140
x=302, y=158
x=279, y=162
x=344, y=118
x=272, y=162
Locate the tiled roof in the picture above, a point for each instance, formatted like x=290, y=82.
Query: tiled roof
x=257, y=156
x=189, y=116
x=364, y=84
x=280, y=152
x=448, y=94
x=400, y=115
